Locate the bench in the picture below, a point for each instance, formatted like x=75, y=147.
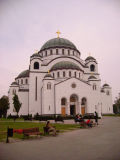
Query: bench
x=31, y=131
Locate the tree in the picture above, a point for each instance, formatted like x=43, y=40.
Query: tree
x=17, y=104
x=116, y=106
x=4, y=106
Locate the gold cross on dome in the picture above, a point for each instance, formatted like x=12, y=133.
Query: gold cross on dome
x=58, y=33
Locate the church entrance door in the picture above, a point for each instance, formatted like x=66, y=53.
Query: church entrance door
x=73, y=104
x=72, y=110
x=63, y=111
x=82, y=110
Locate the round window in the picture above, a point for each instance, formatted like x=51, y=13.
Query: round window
x=73, y=85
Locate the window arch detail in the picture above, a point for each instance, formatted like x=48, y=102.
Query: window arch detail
x=36, y=65
x=92, y=67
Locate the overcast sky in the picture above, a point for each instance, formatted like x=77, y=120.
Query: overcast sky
x=92, y=25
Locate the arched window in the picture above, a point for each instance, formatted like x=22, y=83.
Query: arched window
x=79, y=75
x=51, y=52
x=26, y=81
x=73, y=53
x=56, y=51
x=21, y=81
x=45, y=53
x=68, y=52
x=75, y=74
x=14, y=91
x=63, y=51
x=58, y=74
x=48, y=85
x=36, y=65
x=64, y=74
x=69, y=73
x=63, y=101
x=92, y=67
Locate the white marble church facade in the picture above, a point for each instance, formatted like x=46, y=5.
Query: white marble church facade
x=58, y=81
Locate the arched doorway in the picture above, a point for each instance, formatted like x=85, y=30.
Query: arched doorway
x=83, y=105
x=63, y=106
x=73, y=104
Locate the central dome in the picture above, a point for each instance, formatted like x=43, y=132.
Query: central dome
x=58, y=42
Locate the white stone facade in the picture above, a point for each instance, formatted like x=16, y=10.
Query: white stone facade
x=60, y=82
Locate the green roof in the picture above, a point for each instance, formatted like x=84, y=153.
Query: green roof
x=23, y=74
x=58, y=42
x=106, y=85
x=36, y=55
x=92, y=77
x=48, y=75
x=90, y=58
x=64, y=65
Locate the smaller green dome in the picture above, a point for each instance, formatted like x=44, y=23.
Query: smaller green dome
x=106, y=85
x=14, y=83
x=90, y=58
x=35, y=55
x=23, y=74
x=58, y=42
x=92, y=77
x=48, y=75
x=65, y=65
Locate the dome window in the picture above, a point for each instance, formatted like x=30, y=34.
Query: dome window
x=63, y=51
x=92, y=68
x=58, y=74
x=21, y=81
x=51, y=52
x=68, y=52
x=46, y=53
x=36, y=65
x=75, y=74
x=69, y=73
x=56, y=51
x=26, y=81
x=64, y=74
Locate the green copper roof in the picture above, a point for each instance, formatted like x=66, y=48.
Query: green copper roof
x=35, y=55
x=92, y=77
x=48, y=75
x=24, y=74
x=58, y=42
x=64, y=65
x=90, y=58
x=106, y=85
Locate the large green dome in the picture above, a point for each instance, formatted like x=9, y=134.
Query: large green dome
x=65, y=65
x=58, y=42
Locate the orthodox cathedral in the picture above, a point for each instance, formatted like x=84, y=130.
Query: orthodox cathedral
x=58, y=81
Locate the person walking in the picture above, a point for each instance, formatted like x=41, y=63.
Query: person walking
x=96, y=117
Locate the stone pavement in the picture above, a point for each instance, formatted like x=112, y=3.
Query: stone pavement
x=97, y=143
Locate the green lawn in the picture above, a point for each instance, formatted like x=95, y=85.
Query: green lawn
x=22, y=125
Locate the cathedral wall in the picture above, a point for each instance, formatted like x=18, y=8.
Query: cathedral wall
x=48, y=97
x=107, y=106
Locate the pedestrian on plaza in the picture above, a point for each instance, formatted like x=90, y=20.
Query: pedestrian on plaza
x=96, y=117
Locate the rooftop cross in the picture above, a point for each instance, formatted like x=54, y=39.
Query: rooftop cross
x=58, y=33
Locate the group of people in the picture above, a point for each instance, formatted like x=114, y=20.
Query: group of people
x=78, y=118
x=88, y=122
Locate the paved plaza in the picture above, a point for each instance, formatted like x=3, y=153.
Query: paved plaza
x=97, y=143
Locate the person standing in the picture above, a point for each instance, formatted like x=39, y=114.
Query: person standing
x=96, y=117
